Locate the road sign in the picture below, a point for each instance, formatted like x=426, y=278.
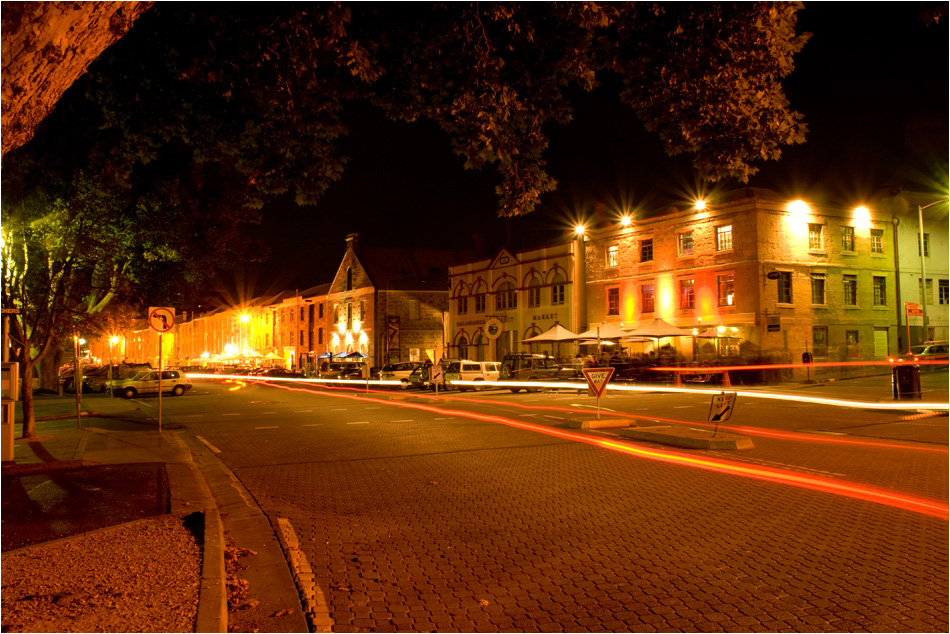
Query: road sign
x=597, y=379
x=436, y=373
x=913, y=309
x=721, y=407
x=161, y=319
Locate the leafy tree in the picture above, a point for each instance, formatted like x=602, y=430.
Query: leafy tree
x=144, y=176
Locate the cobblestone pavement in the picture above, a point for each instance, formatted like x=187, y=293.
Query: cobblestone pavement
x=421, y=521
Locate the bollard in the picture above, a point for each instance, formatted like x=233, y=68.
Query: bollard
x=725, y=379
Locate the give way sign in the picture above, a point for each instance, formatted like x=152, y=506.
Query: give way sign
x=597, y=379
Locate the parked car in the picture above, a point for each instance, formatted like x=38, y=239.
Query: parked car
x=466, y=370
x=931, y=352
x=534, y=367
x=399, y=372
x=145, y=382
x=343, y=370
x=281, y=373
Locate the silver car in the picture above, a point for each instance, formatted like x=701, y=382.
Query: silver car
x=174, y=382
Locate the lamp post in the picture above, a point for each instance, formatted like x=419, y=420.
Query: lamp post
x=923, y=266
x=112, y=342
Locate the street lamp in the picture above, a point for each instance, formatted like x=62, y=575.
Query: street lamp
x=923, y=267
x=112, y=342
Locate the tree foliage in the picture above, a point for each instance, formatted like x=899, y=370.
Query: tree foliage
x=153, y=164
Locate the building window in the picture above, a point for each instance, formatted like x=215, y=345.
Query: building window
x=877, y=241
x=818, y=289
x=480, y=303
x=415, y=309
x=646, y=250
x=851, y=344
x=320, y=311
x=687, y=295
x=557, y=291
x=930, y=292
x=300, y=339
x=685, y=243
x=926, y=244
x=320, y=335
x=301, y=314
x=362, y=310
x=613, y=301
x=850, y=290
x=534, y=293
x=462, y=305
x=819, y=341
x=646, y=297
x=814, y=237
x=847, y=239
x=785, y=287
x=943, y=291
x=724, y=238
x=880, y=291
x=613, y=255
x=349, y=278
x=506, y=297
x=726, y=286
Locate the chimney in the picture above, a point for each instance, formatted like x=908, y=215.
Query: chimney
x=351, y=241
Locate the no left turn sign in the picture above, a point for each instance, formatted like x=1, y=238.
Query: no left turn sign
x=161, y=319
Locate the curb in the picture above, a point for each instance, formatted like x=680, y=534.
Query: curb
x=212, y=597
x=687, y=438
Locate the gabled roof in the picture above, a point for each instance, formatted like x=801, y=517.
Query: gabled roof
x=504, y=258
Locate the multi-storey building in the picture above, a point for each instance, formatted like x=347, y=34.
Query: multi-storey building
x=496, y=303
x=778, y=277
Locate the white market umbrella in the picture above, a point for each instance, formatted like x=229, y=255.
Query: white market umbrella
x=557, y=333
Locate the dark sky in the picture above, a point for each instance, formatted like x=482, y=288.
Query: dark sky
x=872, y=83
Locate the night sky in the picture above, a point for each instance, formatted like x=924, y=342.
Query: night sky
x=872, y=83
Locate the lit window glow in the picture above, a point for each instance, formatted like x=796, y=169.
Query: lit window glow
x=862, y=218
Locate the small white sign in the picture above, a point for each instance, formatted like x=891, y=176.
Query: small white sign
x=436, y=373
x=721, y=408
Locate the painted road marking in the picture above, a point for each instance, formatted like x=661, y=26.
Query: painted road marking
x=303, y=411
x=232, y=414
x=405, y=420
x=312, y=425
x=359, y=422
x=208, y=444
x=274, y=427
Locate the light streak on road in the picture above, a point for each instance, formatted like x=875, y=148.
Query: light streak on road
x=893, y=499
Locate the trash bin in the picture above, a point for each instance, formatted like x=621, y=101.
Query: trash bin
x=905, y=380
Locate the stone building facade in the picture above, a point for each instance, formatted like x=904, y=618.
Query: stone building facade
x=776, y=278
x=496, y=303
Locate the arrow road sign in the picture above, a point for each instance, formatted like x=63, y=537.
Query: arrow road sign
x=161, y=319
x=721, y=408
x=597, y=379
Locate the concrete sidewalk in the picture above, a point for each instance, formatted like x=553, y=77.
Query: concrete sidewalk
x=113, y=467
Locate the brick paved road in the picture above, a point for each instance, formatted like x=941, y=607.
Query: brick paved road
x=418, y=521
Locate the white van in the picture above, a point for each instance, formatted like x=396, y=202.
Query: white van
x=471, y=371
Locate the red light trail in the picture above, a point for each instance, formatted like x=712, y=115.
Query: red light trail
x=893, y=499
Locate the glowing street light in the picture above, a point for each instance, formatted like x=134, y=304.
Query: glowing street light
x=699, y=205
x=579, y=230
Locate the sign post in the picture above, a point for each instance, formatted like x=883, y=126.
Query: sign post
x=161, y=320
x=721, y=408
x=436, y=376
x=911, y=309
x=597, y=379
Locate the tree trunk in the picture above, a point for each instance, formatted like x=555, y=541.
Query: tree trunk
x=49, y=369
x=26, y=395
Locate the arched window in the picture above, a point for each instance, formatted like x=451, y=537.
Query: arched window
x=557, y=290
x=506, y=296
x=463, y=347
x=534, y=292
x=349, y=278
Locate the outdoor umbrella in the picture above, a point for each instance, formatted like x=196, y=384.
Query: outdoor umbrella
x=554, y=335
x=605, y=330
x=657, y=329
